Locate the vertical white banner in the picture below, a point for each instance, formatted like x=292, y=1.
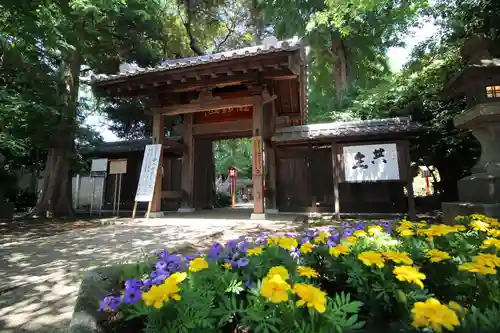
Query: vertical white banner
x=149, y=169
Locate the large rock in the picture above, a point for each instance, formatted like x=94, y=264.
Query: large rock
x=95, y=285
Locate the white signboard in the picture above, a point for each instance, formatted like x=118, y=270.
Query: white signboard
x=371, y=163
x=149, y=169
x=117, y=167
x=99, y=165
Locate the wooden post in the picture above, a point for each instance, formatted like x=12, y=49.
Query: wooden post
x=412, y=214
x=134, y=210
x=158, y=135
x=269, y=123
x=187, y=180
x=257, y=164
x=336, y=178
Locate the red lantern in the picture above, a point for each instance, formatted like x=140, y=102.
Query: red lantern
x=232, y=174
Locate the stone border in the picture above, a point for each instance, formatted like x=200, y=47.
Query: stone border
x=95, y=285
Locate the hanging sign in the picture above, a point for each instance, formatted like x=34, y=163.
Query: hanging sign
x=149, y=170
x=118, y=167
x=369, y=163
x=223, y=115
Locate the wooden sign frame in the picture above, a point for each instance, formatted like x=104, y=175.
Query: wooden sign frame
x=147, y=178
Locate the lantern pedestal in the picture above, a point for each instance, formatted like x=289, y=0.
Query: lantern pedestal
x=185, y=210
x=479, y=82
x=260, y=217
x=480, y=192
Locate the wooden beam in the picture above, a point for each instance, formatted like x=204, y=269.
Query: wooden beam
x=412, y=213
x=257, y=163
x=336, y=179
x=187, y=179
x=226, y=127
x=172, y=195
x=203, y=106
x=169, y=143
x=294, y=63
x=158, y=135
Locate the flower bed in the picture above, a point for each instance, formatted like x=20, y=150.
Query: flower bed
x=417, y=277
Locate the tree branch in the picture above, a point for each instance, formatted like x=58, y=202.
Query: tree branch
x=229, y=33
x=187, y=24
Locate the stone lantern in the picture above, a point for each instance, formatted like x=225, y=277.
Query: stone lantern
x=479, y=82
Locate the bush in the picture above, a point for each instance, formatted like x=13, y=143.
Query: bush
x=417, y=278
x=222, y=200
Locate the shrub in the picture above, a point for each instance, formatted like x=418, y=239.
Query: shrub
x=418, y=277
x=222, y=200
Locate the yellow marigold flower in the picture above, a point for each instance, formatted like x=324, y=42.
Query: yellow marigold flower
x=177, y=277
x=255, y=251
x=437, y=230
x=409, y=274
x=288, y=243
x=491, y=242
x=405, y=224
x=487, y=259
x=455, y=306
x=460, y=227
x=310, y=296
x=432, y=313
x=275, y=289
x=197, y=265
x=306, y=247
x=169, y=289
x=402, y=228
x=398, y=257
x=370, y=258
x=479, y=225
x=227, y=266
x=420, y=225
x=338, y=250
x=273, y=241
x=494, y=222
x=322, y=238
x=278, y=270
x=494, y=232
x=407, y=233
x=307, y=272
x=360, y=233
x=475, y=267
x=155, y=297
x=374, y=229
x=436, y=255
x=350, y=240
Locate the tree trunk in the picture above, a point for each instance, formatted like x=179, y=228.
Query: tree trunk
x=56, y=199
x=340, y=66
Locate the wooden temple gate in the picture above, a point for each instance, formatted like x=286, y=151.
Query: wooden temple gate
x=232, y=94
x=260, y=93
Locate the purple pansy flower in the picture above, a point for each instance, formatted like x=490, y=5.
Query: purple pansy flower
x=242, y=262
x=161, y=265
x=132, y=295
x=148, y=283
x=110, y=302
x=216, y=251
x=133, y=283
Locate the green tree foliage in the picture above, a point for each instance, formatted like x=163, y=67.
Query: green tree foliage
x=348, y=41
x=417, y=89
x=234, y=154
x=46, y=47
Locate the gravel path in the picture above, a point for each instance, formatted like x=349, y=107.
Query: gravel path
x=39, y=276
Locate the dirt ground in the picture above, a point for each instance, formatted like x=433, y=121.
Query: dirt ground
x=42, y=262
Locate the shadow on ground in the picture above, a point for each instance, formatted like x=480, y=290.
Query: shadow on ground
x=40, y=273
